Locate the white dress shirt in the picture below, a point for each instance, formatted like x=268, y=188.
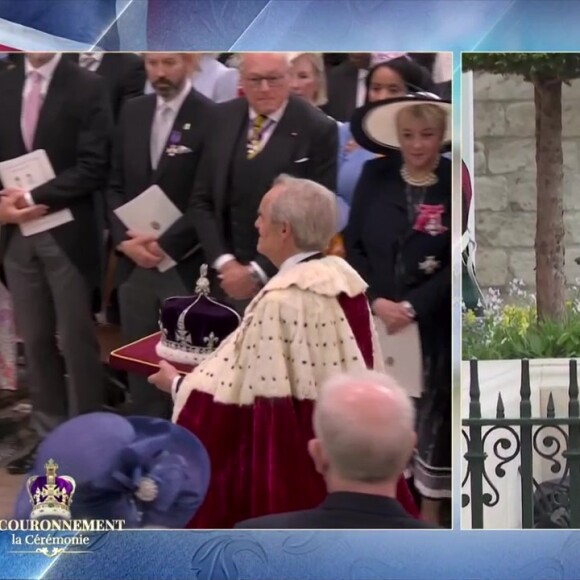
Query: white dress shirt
x=90, y=60
x=361, y=88
x=215, y=80
x=275, y=116
x=163, y=124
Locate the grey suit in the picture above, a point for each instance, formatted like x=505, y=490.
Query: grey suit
x=51, y=275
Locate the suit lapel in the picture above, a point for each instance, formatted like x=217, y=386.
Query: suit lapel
x=286, y=134
x=105, y=64
x=228, y=142
x=13, y=112
x=142, y=136
x=351, y=93
x=52, y=106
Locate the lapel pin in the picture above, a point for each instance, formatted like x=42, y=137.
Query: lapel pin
x=187, y=127
x=294, y=134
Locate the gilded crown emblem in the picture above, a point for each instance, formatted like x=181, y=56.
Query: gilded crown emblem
x=51, y=494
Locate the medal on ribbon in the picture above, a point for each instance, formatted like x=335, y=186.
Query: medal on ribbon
x=429, y=220
x=174, y=139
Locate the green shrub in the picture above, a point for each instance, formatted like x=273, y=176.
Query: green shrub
x=508, y=329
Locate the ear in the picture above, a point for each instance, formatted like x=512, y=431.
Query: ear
x=286, y=230
x=318, y=457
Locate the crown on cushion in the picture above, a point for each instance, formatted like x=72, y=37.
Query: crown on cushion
x=192, y=327
x=51, y=495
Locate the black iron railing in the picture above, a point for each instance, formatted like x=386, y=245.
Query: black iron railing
x=521, y=437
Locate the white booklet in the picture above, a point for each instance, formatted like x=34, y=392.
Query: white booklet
x=403, y=356
x=151, y=213
x=27, y=172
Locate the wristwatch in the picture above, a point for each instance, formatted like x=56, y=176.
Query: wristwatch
x=409, y=309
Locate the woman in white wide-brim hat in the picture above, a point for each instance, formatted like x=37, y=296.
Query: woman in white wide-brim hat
x=399, y=240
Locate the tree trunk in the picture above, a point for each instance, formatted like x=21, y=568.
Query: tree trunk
x=550, y=277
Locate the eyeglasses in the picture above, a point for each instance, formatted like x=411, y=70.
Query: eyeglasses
x=272, y=81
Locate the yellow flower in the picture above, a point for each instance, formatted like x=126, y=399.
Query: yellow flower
x=469, y=317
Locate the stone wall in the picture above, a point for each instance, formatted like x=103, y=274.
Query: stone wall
x=505, y=191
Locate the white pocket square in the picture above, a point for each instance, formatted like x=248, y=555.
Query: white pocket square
x=178, y=150
x=303, y=160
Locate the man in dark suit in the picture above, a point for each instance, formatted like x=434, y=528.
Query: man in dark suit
x=346, y=84
x=253, y=140
x=364, y=437
x=5, y=63
x=159, y=142
x=123, y=72
x=52, y=104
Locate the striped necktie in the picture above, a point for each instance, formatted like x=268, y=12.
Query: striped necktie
x=260, y=125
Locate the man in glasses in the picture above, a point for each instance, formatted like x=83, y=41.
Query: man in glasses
x=252, y=140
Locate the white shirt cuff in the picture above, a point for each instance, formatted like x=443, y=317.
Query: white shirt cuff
x=222, y=260
x=175, y=384
x=260, y=272
x=28, y=198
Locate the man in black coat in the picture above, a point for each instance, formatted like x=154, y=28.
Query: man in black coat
x=124, y=74
x=159, y=142
x=346, y=84
x=252, y=140
x=52, y=104
x=364, y=429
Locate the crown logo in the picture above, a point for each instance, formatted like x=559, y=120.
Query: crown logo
x=51, y=494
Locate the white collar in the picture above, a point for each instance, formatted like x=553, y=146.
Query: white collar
x=275, y=116
x=46, y=71
x=96, y=56
x=295, y=259
x=175, y=103
x=363, y=73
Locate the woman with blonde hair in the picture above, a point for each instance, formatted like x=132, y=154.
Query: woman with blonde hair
x=391, y=75
x=398, y=239
x=308, y=79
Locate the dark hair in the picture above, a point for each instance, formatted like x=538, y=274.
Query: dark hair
x=416, y=78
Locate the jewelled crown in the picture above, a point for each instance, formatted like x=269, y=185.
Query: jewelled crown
x=51, y=494
x=193, y=327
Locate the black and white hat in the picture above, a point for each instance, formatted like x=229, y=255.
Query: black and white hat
x=374, y=126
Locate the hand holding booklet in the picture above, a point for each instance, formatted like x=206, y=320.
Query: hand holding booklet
x=151, y=213
x=26, y=173
x=403, y=356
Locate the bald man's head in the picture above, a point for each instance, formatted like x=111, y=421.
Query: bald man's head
x=365, y=425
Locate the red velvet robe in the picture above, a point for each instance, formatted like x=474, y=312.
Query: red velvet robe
x=258, y=451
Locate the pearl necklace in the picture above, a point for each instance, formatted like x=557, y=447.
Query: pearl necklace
x=426, y=181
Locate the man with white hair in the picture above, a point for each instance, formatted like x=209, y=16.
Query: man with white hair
x=253, y=139
x=364, y=438
x=251, y=401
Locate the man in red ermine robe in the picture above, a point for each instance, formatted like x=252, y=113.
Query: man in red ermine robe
x=251, y=401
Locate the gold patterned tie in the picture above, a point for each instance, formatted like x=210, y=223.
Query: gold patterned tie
x=259, y=127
